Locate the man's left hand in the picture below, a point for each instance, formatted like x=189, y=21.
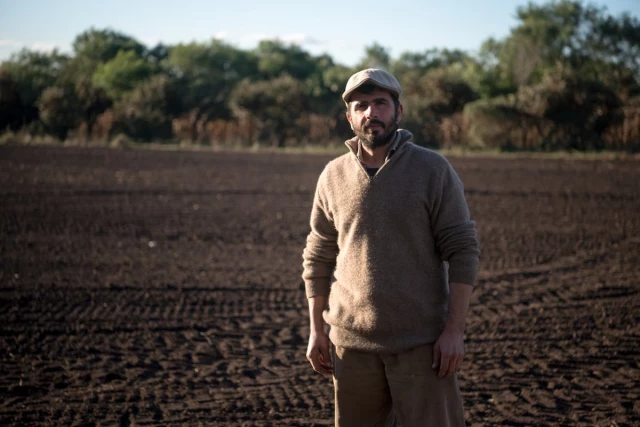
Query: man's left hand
x=448, y=352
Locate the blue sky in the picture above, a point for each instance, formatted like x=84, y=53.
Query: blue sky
x=339, y=28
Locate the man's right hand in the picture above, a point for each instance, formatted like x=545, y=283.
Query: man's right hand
x=318, y=354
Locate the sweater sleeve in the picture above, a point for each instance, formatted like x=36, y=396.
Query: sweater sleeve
x=454, y=231
x=319, y=255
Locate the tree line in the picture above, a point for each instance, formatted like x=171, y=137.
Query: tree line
x=566, y=77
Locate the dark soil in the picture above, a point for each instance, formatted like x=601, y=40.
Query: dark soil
x=163, y=288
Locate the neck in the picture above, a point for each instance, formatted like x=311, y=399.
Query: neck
x=374, y=157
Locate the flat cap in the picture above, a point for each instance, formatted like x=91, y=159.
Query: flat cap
x=373, y=76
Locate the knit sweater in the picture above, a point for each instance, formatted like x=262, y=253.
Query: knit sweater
x=387, y=240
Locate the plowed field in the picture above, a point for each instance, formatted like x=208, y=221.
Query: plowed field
x=163, y=288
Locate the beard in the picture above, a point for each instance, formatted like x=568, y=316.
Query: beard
x=376, y=138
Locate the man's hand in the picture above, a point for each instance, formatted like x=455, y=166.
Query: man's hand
x=318, y=349
x=448, y=352
x=318, y=354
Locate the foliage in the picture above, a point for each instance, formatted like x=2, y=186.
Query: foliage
x=564, y=111
x=375, y=56
x=581, y=108
x=413, y=64
x=122, y=73
x=28, y=74
x=498, y=123
x=274, y=58
x=581, y=36
x=10, y=102
x=59, y=111
x=275, y=106
x=565, y=77
x=101, y=46
x=205, y=76
x=145, y=113
x=431, y=98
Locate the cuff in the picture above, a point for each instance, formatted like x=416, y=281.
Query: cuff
x=314, y=288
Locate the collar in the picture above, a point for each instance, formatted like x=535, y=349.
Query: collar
x=392, y=149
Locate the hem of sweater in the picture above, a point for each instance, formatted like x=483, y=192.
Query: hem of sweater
x=345, y=338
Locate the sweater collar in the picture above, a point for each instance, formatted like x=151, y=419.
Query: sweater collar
x=402, y=136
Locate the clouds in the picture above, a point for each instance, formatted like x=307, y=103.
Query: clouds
x=294, y=38
x=44, y=46
x=300, y=39
x=221, y=35
x=8, y=46
x=344, y=52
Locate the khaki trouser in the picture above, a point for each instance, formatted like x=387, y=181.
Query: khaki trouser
x=382, y=389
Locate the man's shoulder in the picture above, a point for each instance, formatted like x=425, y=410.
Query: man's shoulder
x=426, y=156
x=339, y=164
x=337, y=175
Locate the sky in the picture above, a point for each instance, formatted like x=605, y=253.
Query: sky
x=340, y=28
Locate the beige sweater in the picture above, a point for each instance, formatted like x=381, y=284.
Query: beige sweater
x=385, y=240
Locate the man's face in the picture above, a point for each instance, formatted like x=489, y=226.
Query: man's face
x=373, y=117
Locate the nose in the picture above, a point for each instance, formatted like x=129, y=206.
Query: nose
x=371, y=112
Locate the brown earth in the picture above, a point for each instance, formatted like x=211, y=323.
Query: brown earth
x=163, y=288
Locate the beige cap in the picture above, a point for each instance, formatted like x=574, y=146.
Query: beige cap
x=375, y=77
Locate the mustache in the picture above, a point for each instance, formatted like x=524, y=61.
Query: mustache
x=375, y=122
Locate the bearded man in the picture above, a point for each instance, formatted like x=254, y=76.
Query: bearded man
x=390, y=264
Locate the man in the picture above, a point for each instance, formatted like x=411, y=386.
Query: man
x=390, y=223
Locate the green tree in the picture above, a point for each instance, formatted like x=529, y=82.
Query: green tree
x=334, y=80
x=375, y=56
x=31, y=73
x=157, y=54
x=581, y=108
x=435, y=96
x=59, y=111
x=96, y=47
x=10, y=103
x=581, y=36
x=121, y=74
x=420, y=63
x=145, y=113
x=92, y=49
x=206, y=75
x=276, y=58
x=273, y=105
x=92, y=102
x=487, y=74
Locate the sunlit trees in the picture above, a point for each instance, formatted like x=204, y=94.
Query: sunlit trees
x=580, y=109
x=567, y=76
x=430, y=99
x=145, y=112
x=375, y=56
x=100, y=46
x=275, y=107
x=578, y=35
x=59, y=111
x=563, y=111
x=275, y=57
x=122, y=73
x=206, y=74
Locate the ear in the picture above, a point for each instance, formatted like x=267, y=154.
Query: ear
x=399, y=113
x=349, y=117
